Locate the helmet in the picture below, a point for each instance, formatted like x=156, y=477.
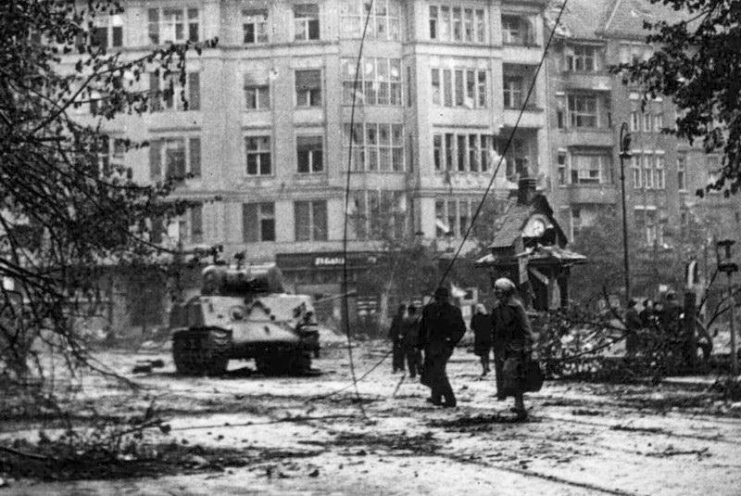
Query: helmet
x=504, y=284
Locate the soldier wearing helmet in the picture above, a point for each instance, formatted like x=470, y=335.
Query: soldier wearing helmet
x=513, y=342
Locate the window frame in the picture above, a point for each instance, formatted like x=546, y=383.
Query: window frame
x=158, y=24
x=317, y=214
x=310, y=96
x=260, y=29
x=264, y=222
x=313, y=166
x=261, y=167
x=306, y=33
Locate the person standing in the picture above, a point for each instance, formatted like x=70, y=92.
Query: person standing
x=483, y=338
x=441, y=328
x=513, y=334
x=397, y=357
x=410, y=340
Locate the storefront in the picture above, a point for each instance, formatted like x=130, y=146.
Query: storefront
x=322, y=275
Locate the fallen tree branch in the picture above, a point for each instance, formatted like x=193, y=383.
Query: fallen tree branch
x=23, y=454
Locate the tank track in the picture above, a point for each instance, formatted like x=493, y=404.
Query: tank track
x=201, y=351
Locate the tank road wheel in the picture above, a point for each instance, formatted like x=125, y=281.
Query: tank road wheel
x=201, y=352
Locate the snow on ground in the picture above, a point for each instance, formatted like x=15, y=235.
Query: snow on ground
x=322, y=435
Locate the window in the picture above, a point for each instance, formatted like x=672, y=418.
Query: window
x=255, y=26
x=648, y=165
x=461, y=152
x=682, y=171
x=658, y=122
x=635, y=166
x=379, y=214
x=647, y=122
x=256, y=92
x=311, y=220
x=309, y=88
x=190, y=226
x=589, y=168
x=646, y=221
x=309, y=150
x=175, y=158
x=455, y=23
x=512, y=91
x=635, y=121
x=453, y=217
x=384, y=22
x=660, y=171
x=257, y=150
x=576, y=220
x=582, y=110
x=436, y=86
x=173, y=25
x=581, y=59
x=167, y=93
x=258, y=222
x=517, y=157
x=378, y=84
x=516, y=30
x=108, y=33
x=464, y=87
x=306, y=22
x=376, y=147
x=562, y=168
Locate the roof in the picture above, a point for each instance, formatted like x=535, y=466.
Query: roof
x=581, y=19
x=626, y=18
x=597, y=19
x=514, y=221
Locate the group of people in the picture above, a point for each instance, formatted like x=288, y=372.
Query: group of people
x=440, y=326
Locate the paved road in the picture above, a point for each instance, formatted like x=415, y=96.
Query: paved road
x=321, y=435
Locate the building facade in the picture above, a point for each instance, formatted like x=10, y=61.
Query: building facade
x=587, y=107
x=264, y=132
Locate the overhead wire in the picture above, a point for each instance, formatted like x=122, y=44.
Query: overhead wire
x=475, y=217
x=346, y=307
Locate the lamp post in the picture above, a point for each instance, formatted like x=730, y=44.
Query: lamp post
x=725, y=265
x=625, y=139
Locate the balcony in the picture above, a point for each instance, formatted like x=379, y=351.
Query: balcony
x=532, y=117
x=593, y=81
x=522, y=54
x=603, y=194
x=588, y=136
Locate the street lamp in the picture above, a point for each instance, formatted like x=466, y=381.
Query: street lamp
x=625, y=139
x=725, y=265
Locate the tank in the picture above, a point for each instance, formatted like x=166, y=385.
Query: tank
x=244, y=313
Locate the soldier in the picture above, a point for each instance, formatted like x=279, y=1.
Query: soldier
x=514, y=339
x=441, y=328
x=410, y=340
x=397, y=361
x=481, y=325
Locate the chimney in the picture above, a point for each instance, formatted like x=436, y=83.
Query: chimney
x=526, y=190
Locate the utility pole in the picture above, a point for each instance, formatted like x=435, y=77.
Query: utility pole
x=625, y=139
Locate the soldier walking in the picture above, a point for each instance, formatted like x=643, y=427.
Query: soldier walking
x=441, y=328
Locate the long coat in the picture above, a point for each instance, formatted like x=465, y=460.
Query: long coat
x=482, y=331
x=513, y=343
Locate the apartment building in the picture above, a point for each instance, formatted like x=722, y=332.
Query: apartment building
x=587, y=107
x=266, y=131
